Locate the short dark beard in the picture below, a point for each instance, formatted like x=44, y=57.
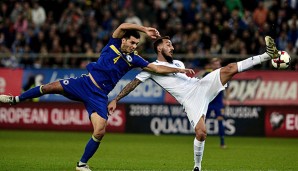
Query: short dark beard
x=168, y=58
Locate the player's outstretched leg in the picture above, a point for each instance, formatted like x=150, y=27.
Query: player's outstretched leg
x=50, y=88
x=29, y=94
x=227, y=72
x=271, y=49
x=7, y=99
x=271, y=53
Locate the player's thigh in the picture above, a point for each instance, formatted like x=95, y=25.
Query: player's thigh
x=210, y=85
x=52, y=88
x=97, y=102
x=76, y=88
x=83, y=89
x=99, y=123
x=227, y=72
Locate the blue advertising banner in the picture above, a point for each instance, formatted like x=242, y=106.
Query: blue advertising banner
x=147, y=92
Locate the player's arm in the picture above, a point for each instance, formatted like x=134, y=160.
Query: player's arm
x=120, y=31
x=166, y=70
x=124, y=92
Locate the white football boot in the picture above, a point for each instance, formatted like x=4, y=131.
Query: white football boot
x=84, y=167
x=7, y=99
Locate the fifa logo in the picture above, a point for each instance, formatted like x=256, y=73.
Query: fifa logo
x=276, y=120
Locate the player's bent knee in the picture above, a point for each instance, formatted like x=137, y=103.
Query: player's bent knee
x=201, y=135
x=220, y=118
x=96, y=139
x=99, y=133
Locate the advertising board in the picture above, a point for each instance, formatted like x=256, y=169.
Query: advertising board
x=10, y=81
x=55, y=116
x=281, y=121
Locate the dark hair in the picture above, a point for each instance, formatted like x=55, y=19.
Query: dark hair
x=132, y=33
x=158, y=41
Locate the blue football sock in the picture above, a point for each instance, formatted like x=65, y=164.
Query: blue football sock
x=221, y=132
x=31, y=93
x=90, y=149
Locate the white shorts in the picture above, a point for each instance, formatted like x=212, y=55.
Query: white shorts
x=205, y=90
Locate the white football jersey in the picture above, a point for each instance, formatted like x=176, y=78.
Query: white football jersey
x=192, y=93
x=177, y=84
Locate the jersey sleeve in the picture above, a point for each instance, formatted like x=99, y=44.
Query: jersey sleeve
x=143, y=76
x=140, y=62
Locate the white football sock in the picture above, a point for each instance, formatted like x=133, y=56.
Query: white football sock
x=17, y=99
x=198, y=152
x=252, y=61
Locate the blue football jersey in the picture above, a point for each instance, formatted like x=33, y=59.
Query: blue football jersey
x=112, y=65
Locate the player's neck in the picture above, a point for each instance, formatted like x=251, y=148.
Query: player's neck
x=161, y=58
x=124, y=52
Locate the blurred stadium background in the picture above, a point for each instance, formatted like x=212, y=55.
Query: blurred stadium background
x=42, y=41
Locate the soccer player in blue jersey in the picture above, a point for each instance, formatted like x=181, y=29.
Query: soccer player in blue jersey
x=216, y=105
x=116, y=59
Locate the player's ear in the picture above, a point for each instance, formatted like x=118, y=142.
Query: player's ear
x=159, y=48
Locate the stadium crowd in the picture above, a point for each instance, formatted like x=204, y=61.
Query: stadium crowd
x=34, y=28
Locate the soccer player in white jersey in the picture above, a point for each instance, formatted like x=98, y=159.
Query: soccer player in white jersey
x=192, y=93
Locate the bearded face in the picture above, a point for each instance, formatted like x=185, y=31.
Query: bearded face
x=167, y=50
x=167, y=56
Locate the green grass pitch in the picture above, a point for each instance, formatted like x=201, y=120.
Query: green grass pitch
x=29, y=150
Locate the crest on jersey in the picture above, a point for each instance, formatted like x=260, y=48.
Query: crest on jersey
x=177, y=65
x=129, y=58
x=65, y=82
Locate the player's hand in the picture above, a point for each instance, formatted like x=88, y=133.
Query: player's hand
x=152, y=33
x=112, y=107
x=186, y=70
